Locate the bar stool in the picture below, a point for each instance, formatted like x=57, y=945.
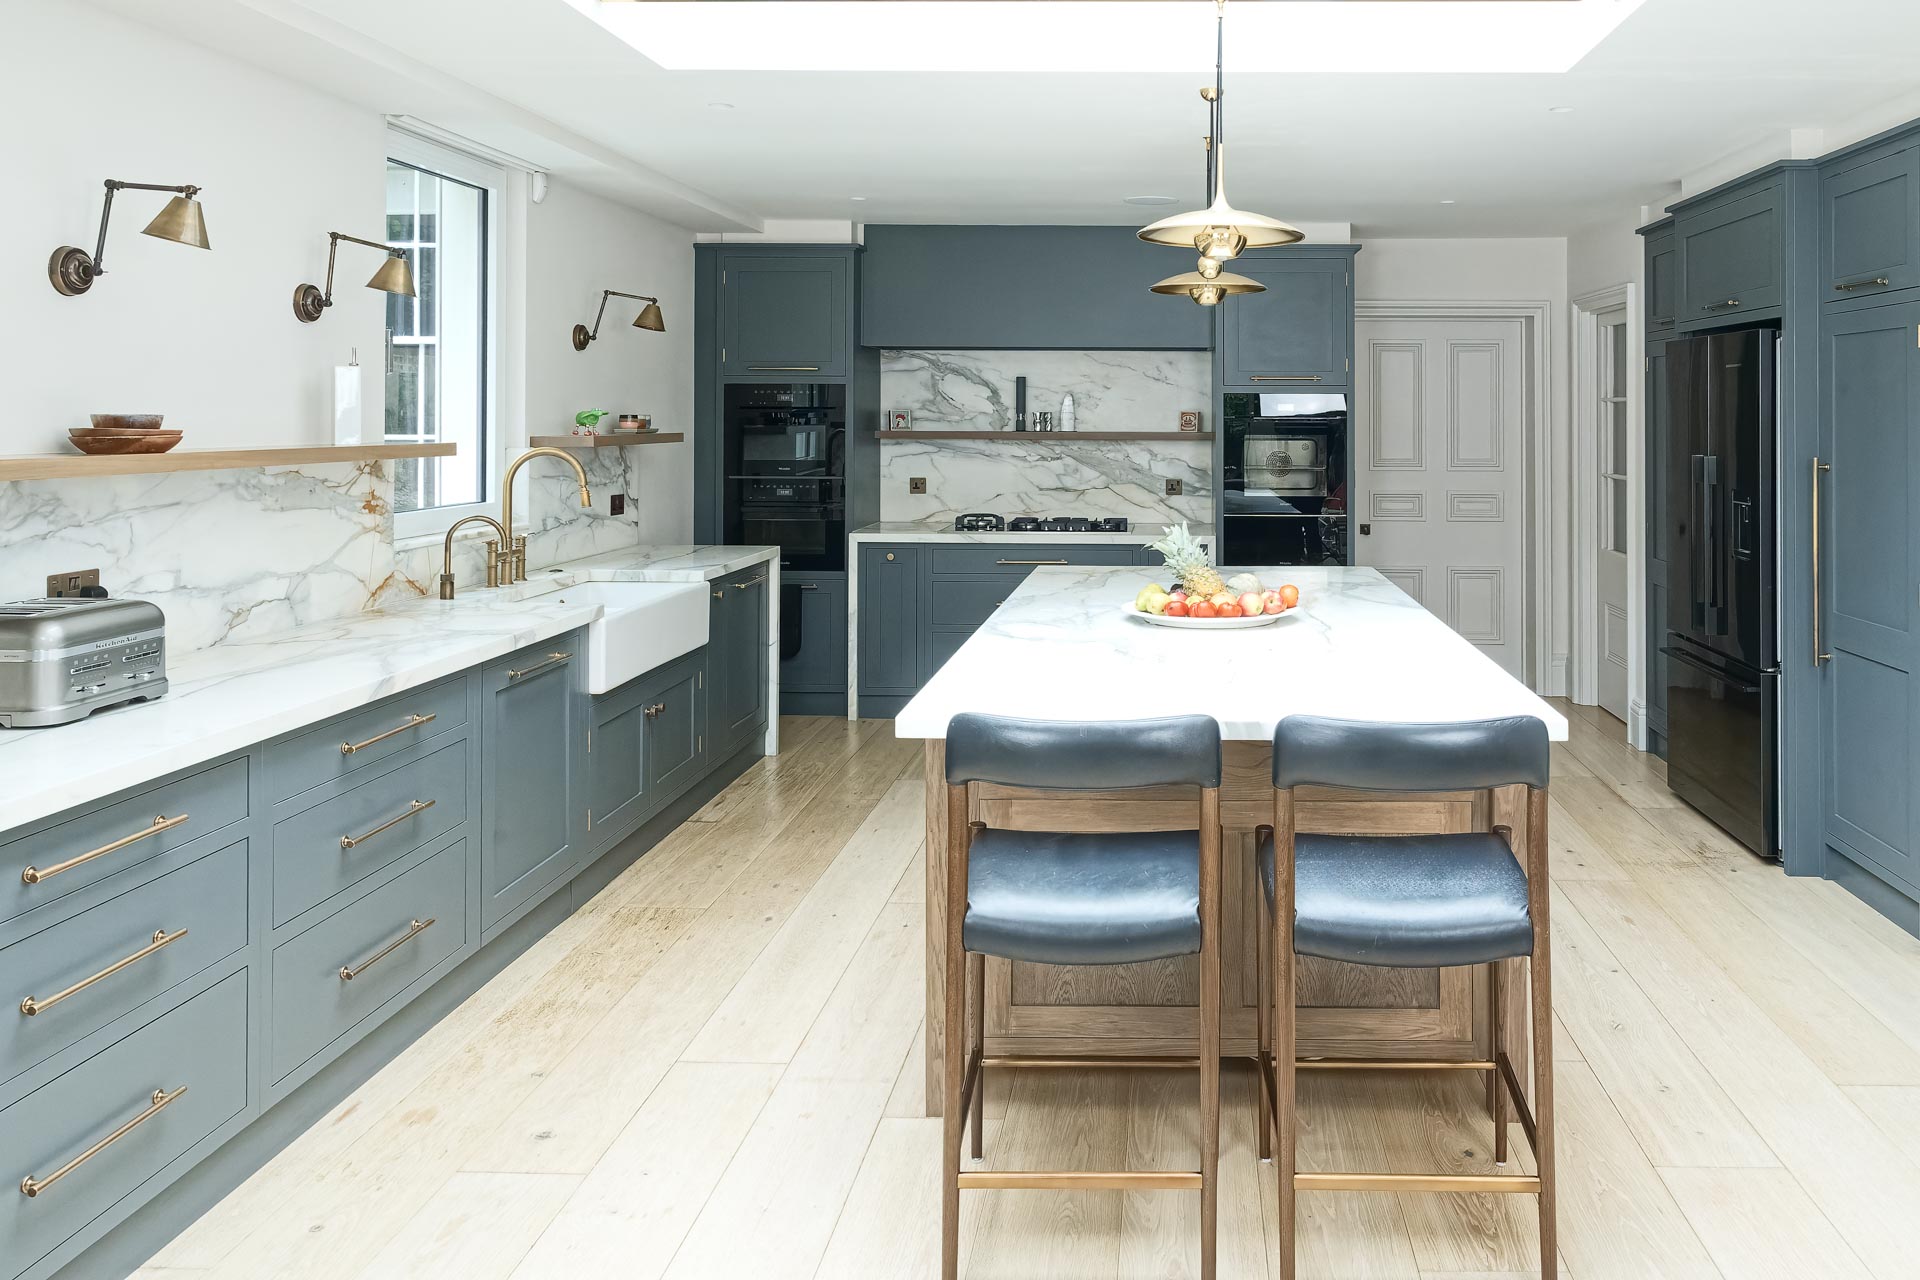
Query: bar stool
x=1408, y=901
x=1077, y=898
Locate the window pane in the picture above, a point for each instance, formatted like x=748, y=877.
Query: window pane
x=1617, y=524
x=1619, y=335
x=1617, y=418
x=437, y=390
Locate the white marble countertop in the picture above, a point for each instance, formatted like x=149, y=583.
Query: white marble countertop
x=247, y=691
x=943, y=531
x=1063, y=648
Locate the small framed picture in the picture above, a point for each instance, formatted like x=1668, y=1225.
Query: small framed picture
x=1189, y=419
x=899, y=420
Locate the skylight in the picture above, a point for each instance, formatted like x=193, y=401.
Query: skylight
x=1058, y=36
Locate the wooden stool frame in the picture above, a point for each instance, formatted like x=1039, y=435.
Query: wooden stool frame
x=965, y=1059
x=1278, y=1065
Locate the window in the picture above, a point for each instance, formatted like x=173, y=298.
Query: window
x=1612, y=418
x=439, y=342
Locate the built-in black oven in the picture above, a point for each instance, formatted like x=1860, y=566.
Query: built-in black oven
x=1284, y=478
x=784, y=451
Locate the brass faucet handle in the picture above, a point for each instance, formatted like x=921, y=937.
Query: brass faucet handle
x=518, y=571
x=446, y=586
x=493, y=562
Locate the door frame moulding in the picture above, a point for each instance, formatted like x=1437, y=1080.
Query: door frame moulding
x=1584, y=685
x=1546, y=521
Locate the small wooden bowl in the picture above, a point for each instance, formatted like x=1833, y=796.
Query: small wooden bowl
x=127, y=421
x=105, y=443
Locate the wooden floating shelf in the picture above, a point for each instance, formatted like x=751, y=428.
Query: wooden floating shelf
x=1065, y=437
x=614, y=440
x=71, y=466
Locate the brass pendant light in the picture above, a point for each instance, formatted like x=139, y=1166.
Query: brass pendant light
x=1219, y=232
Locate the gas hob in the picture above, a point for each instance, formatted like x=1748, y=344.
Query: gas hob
x=981, y=522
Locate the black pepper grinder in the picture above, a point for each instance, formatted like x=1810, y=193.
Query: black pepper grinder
x=1019, y=404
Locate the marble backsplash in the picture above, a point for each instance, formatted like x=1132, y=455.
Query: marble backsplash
x=1039, y=473
x=251, y=552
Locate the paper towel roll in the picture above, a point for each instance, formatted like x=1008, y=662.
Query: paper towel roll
x=346, y=404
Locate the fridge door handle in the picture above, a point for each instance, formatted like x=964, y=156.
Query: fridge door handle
x=1687, y=659
x=1697, y=549
x=1820, y=656
x=1711, y=539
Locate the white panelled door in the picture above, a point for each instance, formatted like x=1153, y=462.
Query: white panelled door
x=1440, y=502
x=1610, y=570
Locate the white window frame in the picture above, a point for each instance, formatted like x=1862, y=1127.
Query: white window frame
x=432, y=523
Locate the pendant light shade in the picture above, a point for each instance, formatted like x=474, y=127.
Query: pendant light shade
x=1221, y=231
x=393, y=277
x=1208, y=285
x=650, y=318
x=181, y=222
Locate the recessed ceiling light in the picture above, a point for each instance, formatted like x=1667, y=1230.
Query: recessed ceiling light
x=721, y=106
x=856, y=197
x=1561, y=111
x=1151, y=199
x=1449, y=202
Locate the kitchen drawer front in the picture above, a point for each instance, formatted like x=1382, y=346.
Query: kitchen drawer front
x=943, y=643
x=313, y=1005
x=176, y=925
x=1023, y=558
x=320, y=755
x=966, y=600
x=200, y=1046
x=386, y=817
x=123, y=834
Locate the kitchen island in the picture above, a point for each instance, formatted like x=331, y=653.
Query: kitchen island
x=1064, y=647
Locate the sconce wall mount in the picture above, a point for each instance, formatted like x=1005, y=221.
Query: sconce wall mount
x=73, y=270
x=310, y=301
x=649, y=317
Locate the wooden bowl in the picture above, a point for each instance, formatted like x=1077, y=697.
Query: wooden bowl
x=103, y=443
x=127, y=421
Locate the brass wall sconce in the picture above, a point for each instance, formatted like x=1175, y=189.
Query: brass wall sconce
x=310, y=302
x=73, y=271
x=649, y=317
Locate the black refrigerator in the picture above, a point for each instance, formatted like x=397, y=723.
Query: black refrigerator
x=1723, y=670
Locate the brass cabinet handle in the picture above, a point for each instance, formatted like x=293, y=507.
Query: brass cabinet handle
x=1878, y=282
x=1721, y=306
x=417, y=807
x=657, y=708
x=783, y=368
x=808, y=586
x=889, y=555
x=161, y=938
x=34, y=875
x=750, y=582
x=1284, y=377
x=31, y=1186
x=1819, y=656
x=719, y=595
x=348, y=972
x=413, y=722
x=1659, y=320
x=552, y=660
x=1029, y=561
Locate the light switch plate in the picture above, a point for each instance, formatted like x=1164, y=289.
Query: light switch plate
x=71, y=584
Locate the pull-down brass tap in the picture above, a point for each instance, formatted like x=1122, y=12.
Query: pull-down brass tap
x=513, y=560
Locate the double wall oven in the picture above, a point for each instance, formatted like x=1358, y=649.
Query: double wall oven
x=1284, y=490
x=786, y=466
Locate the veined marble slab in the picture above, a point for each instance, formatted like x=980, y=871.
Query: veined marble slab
x=1112, y=390
x=1063, y=647
x=248, y=690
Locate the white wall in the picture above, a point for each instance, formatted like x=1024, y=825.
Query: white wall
x=1507, y=270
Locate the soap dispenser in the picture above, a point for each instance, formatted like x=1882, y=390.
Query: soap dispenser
x=1066, y=412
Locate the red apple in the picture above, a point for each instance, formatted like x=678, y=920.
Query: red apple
x=1274, y=606
x=1204, y=609
x=1231, y=609
x=1176, y=608
x=1251, y=604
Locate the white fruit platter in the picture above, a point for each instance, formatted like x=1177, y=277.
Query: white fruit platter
x=1212, y=624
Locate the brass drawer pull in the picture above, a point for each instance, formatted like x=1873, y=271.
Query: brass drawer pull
x=349, y=972
x=1721, y=306
x=809, y=586
x=553, y=660
x=417, y=807
x=783, y=368
x=750, y=582
x=31, y=1186
x=161, y=938
x=34, y=875
x=413, y=722
x=1029, y=561
x=1284, y=377
x=1878, y=282
x=657, y=708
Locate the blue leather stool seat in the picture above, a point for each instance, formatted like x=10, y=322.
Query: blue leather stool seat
x=1409, y=901
x=1058, y=898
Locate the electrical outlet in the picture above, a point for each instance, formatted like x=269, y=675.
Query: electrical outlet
x=618, y=504
x=1175, y=488
x=72, y=584
x=917, y=484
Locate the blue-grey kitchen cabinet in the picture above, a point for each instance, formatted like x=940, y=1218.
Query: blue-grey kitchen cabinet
x=1870, y=397
x=1659, y=413
x=533, y=731
x=1663, y=278
x=892, y=642
x=1298, y=334
x=737, y=658
x=1870, y=224
x=1731, y=256
x=618, y=797
x=784, y=316
x=813, y=643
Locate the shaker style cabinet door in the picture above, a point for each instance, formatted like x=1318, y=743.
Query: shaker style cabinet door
x=1870, y=225
x=1296, y=335
x=891, y=661
x=783, y=317
x=1663, y=281
x=1730, y=261
x=1870, y=389
x=813, y=634
x=737, y=658
x=533, y=727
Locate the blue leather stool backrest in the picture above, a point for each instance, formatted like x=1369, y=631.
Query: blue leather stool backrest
x=1075, y=755
x=1375, y=755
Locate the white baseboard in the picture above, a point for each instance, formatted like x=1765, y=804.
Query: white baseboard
x=1554, y=683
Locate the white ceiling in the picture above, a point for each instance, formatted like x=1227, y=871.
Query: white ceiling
x=1678, y=85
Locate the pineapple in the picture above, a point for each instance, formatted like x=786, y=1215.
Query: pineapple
x=1188, y=561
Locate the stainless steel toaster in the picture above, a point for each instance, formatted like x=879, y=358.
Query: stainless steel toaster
x=65, y=659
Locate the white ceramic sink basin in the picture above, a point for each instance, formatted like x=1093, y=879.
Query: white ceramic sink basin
x=644, y=624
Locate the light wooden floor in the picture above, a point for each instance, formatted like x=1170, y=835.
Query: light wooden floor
x=714, y=1072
